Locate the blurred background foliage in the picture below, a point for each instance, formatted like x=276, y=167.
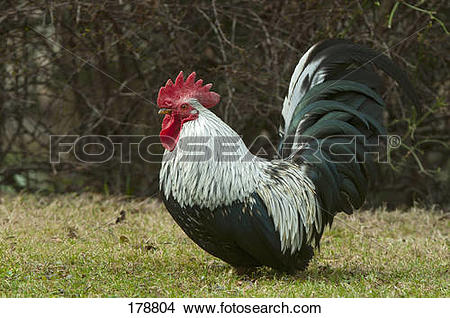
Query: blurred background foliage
x=94, y=67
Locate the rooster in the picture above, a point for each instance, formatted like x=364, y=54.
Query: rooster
x=249, y=211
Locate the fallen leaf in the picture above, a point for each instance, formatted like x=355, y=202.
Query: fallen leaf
x=121, y=217
x=124, y=239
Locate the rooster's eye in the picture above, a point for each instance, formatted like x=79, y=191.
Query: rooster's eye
x=184, y=106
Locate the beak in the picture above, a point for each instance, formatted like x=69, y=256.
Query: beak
x=164, y=111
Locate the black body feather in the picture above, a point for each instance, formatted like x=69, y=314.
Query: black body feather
x=242, y=235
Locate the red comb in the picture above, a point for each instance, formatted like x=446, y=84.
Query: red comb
x=171, y=93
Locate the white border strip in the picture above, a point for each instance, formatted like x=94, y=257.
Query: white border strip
x=225, y=307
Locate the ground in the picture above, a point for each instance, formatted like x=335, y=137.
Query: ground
x=103, y=246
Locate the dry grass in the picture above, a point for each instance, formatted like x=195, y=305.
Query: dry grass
x=82, y=245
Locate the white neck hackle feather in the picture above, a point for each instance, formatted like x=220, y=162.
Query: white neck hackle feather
x=290, y=198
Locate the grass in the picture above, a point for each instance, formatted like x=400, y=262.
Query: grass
x=84, y=246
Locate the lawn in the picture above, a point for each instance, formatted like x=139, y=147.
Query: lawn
x=103, y=246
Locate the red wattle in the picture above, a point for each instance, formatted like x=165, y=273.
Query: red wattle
x=170, y=132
